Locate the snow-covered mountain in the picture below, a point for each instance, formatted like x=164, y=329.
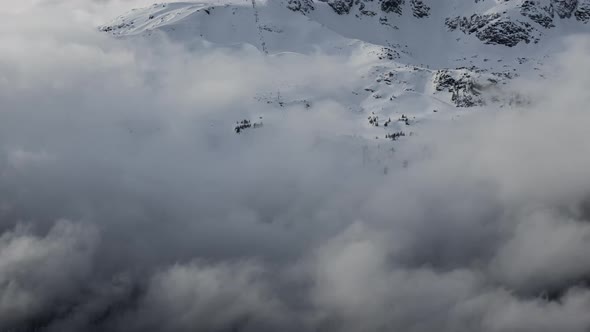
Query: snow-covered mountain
x=417, y=57
x=295, y=166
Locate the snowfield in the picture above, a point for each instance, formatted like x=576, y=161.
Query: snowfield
x=295, y=166
x=414, y=58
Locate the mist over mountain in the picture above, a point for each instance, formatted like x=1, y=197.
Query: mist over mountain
x=297, y=165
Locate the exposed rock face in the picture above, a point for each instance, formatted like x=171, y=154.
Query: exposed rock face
x=505, y=32
x=564, y=8
x=494, y=29
x=470, y=87
x=392, y=6
x=539, y=14
x=464, y=90
x=582, y=12
x=303, y=6
x=115, y=27
x=341, y=6
x=470, y=24
x=544, y=15
x=419, y=9
x=500, y=28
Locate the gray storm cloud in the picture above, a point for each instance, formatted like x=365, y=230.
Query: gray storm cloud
x=128, y=204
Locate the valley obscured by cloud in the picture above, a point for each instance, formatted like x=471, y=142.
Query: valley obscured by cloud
x=128, y=203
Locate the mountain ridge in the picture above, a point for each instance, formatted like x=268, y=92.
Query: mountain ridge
x=419, y=57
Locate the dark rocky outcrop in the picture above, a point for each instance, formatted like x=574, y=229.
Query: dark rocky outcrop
x=341, y=7
x=538, y=13
x=582, y=12
x=494, y=29
x=420, y=9
x=464, y=90
x=564, y=8
x=303, y=6
x=392, y=6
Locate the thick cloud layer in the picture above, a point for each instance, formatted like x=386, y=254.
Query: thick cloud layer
x=127, y=203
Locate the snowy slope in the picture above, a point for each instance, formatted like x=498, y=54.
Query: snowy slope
x=415, y=58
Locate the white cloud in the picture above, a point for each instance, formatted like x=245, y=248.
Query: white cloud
x=177, y=221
